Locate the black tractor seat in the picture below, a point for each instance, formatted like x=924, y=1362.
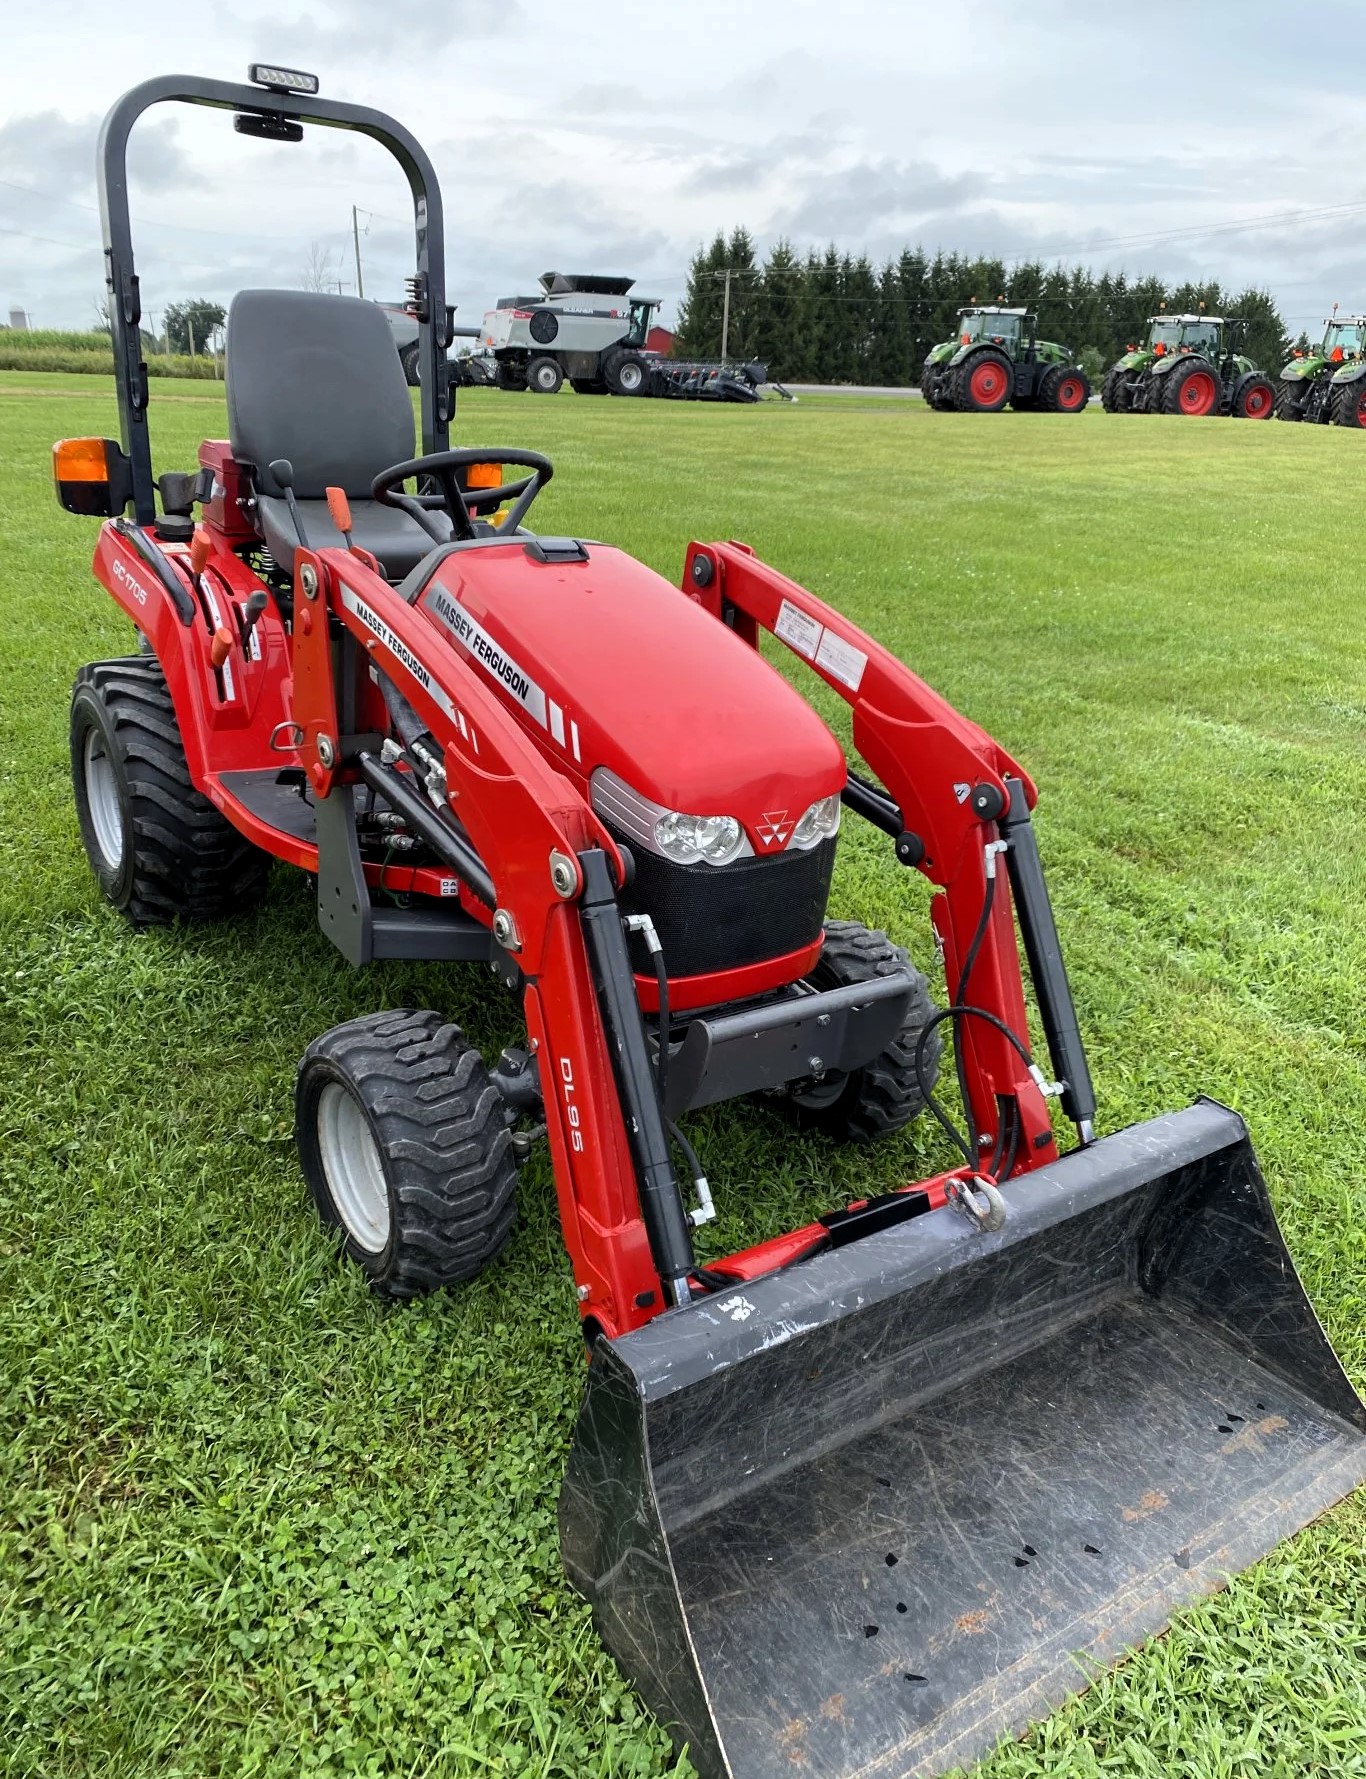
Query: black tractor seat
x=315, y=380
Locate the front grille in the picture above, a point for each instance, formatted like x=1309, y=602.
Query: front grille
x=719, y=917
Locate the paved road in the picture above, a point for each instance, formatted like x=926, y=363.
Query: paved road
x=848, y=389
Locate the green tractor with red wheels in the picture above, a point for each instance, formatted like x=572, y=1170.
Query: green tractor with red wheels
x=1189, y=366
x=996, y=357
x=1329, y=382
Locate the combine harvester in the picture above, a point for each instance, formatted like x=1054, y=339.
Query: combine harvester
x=590, y=330
x=862, y=1498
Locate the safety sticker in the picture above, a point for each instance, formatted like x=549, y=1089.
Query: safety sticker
x=841, y=660
x=797, y=630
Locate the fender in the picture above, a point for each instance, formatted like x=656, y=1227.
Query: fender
x=1350, y=373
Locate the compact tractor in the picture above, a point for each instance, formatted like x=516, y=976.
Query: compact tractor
x=807, y=1474
x=996, y=357
x=1329, y=383
x=1188, y=366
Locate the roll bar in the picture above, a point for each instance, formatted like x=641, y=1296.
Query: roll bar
x=275, y=111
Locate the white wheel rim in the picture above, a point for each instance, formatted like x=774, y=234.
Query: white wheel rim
x=630, y=376
x=352, y=1168
x=102, y=799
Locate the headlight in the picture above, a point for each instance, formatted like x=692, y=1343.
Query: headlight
x=686, y=839
x=819, y=823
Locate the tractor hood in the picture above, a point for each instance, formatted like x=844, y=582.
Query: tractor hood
x=942, y=352
x=1301, y=370
x=609, y=665
x=1137, y=360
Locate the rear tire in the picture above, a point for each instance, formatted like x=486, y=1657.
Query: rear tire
x=405, y=1146
x=1192, y=390
x=1109, y=391
x=983, y=384
x=410, y=359
x=1064, y=390
x=1254, y=398
x=159, y=850
x=884, y=1095
x=544, y=376
x=1349, y=404
x=624, y=373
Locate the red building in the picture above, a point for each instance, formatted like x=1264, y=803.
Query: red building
x=660, y=341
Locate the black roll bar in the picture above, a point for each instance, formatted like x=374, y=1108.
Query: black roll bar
x=125, y=303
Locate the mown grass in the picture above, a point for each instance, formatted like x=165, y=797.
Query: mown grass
x=254, y=1523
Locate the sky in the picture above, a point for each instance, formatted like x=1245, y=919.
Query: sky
x=1219, y=138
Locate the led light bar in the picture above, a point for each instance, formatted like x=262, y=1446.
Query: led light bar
x=282, y=80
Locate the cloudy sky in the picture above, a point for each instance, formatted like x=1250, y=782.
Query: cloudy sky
x=1218, y=137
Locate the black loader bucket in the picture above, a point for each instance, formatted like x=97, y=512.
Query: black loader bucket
x=866, y=1516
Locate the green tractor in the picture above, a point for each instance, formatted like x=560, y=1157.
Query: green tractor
x=996, y=357
x=1188, y=366
x=1328, y=383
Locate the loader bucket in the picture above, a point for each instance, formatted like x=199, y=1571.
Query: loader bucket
x=868, y=1515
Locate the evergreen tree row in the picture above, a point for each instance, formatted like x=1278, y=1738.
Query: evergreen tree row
x=834, y=318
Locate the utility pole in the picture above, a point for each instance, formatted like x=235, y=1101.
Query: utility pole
x=355, y=236
x=725, y=314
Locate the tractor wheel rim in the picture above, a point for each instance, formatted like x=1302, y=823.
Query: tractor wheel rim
x=1069, y=394
x=103, y=799
x=630, y=376
x=986, y=383
x=1258, y=403
x=1198, y=393
x=1361, y=408
x=353, y=1169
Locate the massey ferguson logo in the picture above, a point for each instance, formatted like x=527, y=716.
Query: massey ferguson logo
x=775, y=827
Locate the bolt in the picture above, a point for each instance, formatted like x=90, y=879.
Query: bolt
x=985, y=1140
x=327, y=751
x=815, y=1065
x=703, y=568
x=583, y=1293
x=822, y=1019
x=564, y=879
x=505, y=930
x=308, y=579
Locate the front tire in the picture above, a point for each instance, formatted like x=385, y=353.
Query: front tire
x=1109, y=391
x=160, y=851
x=1289, y=402
x=1254, y=398
x=404, y=1143
x=885, y=1094
x=1064, y=391
x=410, y=358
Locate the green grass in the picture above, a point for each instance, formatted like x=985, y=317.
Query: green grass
x=254, y=1523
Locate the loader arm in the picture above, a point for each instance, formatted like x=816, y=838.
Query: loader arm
x=955, y=803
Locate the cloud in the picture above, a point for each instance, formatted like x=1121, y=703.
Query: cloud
x=406, y=29
x=876, y=197
x=54, y=154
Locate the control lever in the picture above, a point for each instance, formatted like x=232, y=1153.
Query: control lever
x=283, y=472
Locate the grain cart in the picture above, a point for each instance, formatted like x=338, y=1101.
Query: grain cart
x=996, y=357
x=857, y=1498
x=1330, y=382
x=582, y=326
x=1188, y=366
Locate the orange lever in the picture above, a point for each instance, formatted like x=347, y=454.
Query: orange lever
x=221, y=646
x=340, y=509
x=200, y=547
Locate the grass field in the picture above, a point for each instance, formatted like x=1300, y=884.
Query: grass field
x=255, y=1524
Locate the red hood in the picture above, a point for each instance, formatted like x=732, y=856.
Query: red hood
x=613, y=666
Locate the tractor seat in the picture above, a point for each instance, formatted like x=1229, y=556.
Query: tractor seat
x=315, y=379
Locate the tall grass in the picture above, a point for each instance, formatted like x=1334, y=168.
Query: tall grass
x=52, y=349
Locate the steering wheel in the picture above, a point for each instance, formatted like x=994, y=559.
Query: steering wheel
x=442, y=467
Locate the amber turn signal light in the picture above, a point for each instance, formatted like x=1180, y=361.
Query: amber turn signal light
x=484, y=475
x=92, y=477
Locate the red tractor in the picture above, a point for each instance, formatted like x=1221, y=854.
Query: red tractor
x=492, y=746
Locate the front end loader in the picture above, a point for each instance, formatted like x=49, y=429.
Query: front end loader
x=858, y=1499
x=1329, y=383
x=1188, y=366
